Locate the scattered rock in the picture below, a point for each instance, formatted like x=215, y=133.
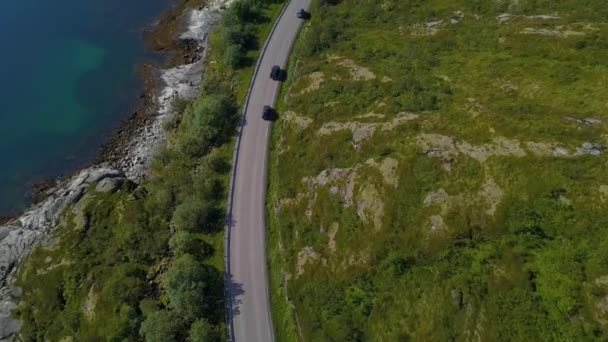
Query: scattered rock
x=585, y=121
x=357, y=72
x=446, y=148
x=542, y=17
x=305, y=256
x=551, y=33
x=560, y=152
x=423, y=30
x=603, y=189
x=332, y=236
x=491, y=194
x=365, y=130
x=388, y=168
x=540, y=149
x=371, y=115
x=8, y=325
x=110, y=184
x=315, y=79
x=370, y=207
x=437, y=223
x=593, y=149
x=503, y=18
x=300, y=121
x=88, y=307
x=437, y=197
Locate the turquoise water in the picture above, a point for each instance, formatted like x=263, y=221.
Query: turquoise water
x=69, y=77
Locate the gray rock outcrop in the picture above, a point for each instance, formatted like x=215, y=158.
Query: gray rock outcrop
x=19, y=236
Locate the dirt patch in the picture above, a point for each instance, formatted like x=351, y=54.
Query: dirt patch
x=585, y=121
x=438, y=197
x=388, y=168
x=331, y=244
x=603, y=189
x=437, y=224
x=299, y=121
x=305, y=256
x=341, y=180
x=88, y=307
x=551, y=33
x=430, y=28
x=473, y=107
x=63, y=262
x=357, y=72
x=315, y=79
x=365, y=130
x=446, y=147
x=505, y=17
x=561, y=31
x=491, y=194
x=539, y=149
x=370, y=207
x=371, y=115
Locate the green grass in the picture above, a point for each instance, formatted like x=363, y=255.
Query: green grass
x=531, y=268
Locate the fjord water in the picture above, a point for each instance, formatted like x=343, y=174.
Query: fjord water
x=69, y=77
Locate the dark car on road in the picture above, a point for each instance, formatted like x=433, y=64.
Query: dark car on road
x=268, y=113
x=277, y=74
x=302, y=14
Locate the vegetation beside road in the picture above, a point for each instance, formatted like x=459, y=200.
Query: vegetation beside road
x=439, y=173
x=145, y=262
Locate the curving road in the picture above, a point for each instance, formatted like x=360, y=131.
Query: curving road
x=248, y=305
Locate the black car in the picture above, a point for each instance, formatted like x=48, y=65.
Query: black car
x=302, y=14
x=276, y=73
x=268, y=113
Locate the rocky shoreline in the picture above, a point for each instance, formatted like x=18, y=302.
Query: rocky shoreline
x=127, y=155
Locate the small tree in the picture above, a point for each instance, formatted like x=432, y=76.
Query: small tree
x=160, y=326
x=187, y=283
x=203, y=331
x=234, y=56
x=185, y=243
x=191, y=216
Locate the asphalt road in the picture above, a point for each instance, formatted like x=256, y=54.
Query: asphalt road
x=250, y=314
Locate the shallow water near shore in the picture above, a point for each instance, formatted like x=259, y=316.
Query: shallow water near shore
x=69, y=77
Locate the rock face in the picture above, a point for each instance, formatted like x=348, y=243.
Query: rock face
x=18, y=237
x=181, y=81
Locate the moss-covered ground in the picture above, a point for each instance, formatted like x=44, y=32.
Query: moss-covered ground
x=438, y=173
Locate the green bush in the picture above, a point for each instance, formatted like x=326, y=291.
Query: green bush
x=208, y=122
x=161, y=326
x=188, y=284
x=191, y=216
x=234, y=56
x=186, y=243
x=202, y=331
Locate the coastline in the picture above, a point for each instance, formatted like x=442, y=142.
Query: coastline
x=128, y=152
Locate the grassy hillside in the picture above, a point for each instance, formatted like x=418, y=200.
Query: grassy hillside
x=145, y=262
x=439, y=173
